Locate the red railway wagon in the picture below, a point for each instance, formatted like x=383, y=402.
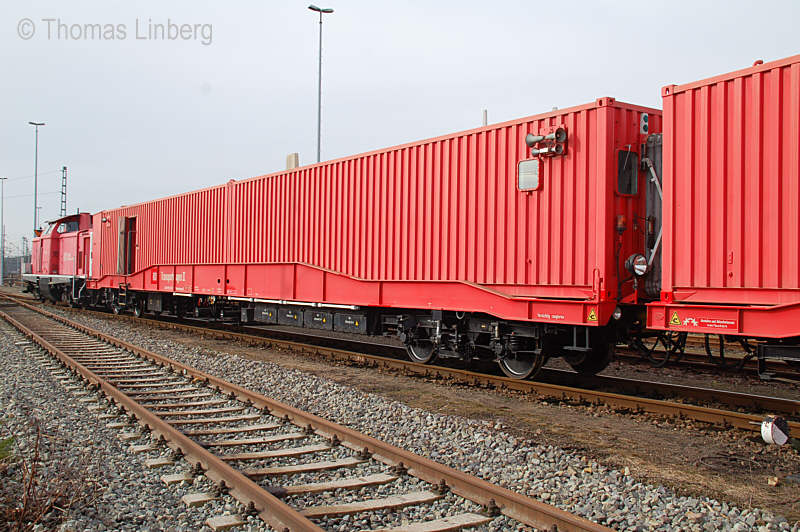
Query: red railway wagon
x=731, y=224
x=520, y=241
x=504, y=241
x=731, y=220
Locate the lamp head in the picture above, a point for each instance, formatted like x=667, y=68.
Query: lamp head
x=312, y=7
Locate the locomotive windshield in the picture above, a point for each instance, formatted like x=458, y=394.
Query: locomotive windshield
x=64, y=227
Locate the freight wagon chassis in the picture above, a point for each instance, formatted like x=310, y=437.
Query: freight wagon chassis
x=764, y=332
x=521, y=349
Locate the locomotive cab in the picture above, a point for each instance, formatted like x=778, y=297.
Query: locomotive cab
x=61, y=259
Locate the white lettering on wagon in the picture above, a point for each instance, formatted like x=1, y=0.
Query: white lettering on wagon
x=545, y=316
x=181, y=277
x=718, y=323
x=705, y=323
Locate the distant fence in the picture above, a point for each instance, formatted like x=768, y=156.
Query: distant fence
x=16, y=265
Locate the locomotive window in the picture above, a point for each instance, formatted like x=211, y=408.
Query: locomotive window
x=68, y=227
x=528, y=175
x=627, y=172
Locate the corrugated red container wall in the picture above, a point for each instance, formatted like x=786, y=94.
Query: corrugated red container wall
x=731, y=187
x=448, y=208
x=443, y=209
x=184, y=229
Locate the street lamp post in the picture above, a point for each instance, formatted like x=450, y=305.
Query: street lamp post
x=319, y=10
x=36, y=178
x=2, y=228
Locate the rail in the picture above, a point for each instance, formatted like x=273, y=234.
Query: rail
x=271, y=509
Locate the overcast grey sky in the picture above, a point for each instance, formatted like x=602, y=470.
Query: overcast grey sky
x=136, y=118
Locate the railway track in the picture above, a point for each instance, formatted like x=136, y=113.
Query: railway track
x=717, y=407
x=690, y=359
x=277, y=461
x=694, y=356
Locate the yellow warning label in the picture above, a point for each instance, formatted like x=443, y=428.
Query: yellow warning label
x=592, y=315
x=674, y=320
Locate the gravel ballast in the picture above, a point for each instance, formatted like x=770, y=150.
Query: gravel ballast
x=129, y=496
x=565, y=479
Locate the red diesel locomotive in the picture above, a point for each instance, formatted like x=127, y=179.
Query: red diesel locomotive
x=514, y=242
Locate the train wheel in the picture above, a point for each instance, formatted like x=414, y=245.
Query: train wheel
x=651, y=349
x=421, y=350
x=594, y=361
x=138, y=309
x=660, y=348
x=526, y=364
x=522, y=364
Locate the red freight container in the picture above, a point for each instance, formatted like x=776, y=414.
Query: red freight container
x=436, y=224
x=731, y=192
x=184, y=229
